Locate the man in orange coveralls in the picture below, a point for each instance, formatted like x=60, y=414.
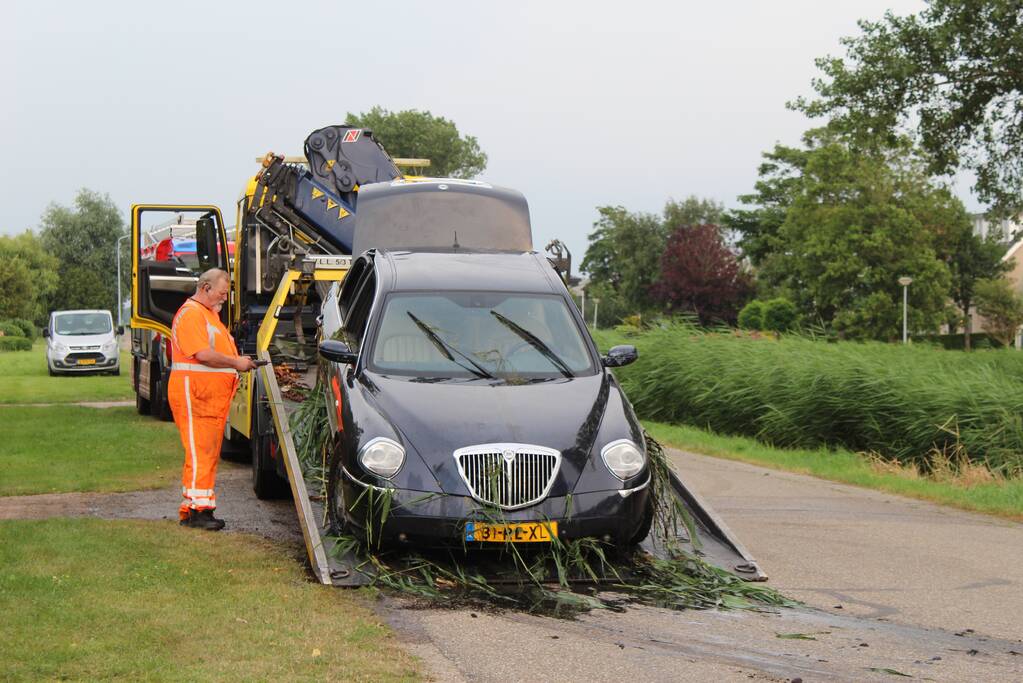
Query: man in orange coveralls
x=204, y=375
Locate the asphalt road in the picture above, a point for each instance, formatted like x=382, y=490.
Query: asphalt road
x=892, y=586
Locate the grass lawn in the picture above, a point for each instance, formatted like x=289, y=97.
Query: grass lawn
x=72, y=448
x=88, y=599
x=1001, y=497
x=23, y=379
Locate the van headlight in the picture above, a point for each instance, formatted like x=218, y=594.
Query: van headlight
x=110, y=347
x=61, y=348
x=382, y=457
x=623, y=458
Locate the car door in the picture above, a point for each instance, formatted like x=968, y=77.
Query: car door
x=173, y=245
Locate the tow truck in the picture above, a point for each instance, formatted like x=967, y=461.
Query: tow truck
x=296, y=233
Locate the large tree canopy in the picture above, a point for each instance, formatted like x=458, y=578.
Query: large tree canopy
x=28, y=278
x=953, y=73
x=833, y=228
x=84, y=240
x=420, y=135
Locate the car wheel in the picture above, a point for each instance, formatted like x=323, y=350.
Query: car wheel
x=644, y=526
x=116, y=372
x=336, y=497
x=266, y=484
x=50, y=370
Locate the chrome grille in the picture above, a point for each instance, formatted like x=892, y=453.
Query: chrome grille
x=508, y=475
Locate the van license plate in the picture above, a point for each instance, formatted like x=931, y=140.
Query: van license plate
x=86, y=361
x=526, y=532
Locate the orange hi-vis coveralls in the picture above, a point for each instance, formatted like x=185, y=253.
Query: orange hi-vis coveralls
x=200, y=397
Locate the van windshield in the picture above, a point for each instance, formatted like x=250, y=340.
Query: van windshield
x=73, y=324
x=479, y=334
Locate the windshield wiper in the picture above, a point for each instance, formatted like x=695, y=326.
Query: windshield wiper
x=535, y=342
x=447, y=349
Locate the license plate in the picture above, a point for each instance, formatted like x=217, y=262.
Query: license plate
x=526, y=532
x=86, y=361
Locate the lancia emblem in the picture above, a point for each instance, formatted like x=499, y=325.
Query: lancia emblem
x=509, y=456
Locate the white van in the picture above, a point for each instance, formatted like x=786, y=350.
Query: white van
x=82, y=341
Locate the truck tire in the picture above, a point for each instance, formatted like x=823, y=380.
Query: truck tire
x=159, y=400
x=142, y=406
x=266, y=484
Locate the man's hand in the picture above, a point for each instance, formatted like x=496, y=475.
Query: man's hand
x=244, y=364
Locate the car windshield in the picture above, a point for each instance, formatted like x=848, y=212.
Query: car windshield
x=82, y=323
x=479, y=334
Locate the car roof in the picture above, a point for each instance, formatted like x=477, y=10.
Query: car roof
x=460, y=269
x=82, y=310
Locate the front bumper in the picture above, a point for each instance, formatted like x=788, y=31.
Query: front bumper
x=434, y=520
x=70, y=363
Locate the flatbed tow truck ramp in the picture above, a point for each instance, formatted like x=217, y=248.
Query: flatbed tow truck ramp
x=710, y=539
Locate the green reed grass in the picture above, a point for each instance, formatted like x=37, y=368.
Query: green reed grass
x=902, y=402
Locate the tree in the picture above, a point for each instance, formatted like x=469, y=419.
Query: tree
x=624, y=255
x=28, y=278
x=693, y=211
x=971, y=260
x=836, y=228
x=1002, y=307
x=952, y=73
x=774, y=192
x=418, y=134
x=83, y=240
x=701, y=275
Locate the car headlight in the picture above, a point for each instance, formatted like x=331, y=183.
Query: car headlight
x=623, y=458
x=382, y=457
x=62, y=349
x=110, y=347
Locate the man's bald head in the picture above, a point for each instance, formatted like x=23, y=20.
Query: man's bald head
x=210, y=279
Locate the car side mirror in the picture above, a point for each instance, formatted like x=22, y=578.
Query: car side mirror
x=620, y=355
x=46, y=332
x=337, y=352
x=206, y=243
x=120, y=330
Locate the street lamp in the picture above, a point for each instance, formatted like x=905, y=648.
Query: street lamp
x=120, y=302
x=905, y=281
x=596, y=307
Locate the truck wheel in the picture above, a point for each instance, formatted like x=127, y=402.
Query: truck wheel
x=142, y=406
x=160, y=402
x=265, y=482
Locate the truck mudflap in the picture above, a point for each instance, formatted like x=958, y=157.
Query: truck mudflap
x=707, y=537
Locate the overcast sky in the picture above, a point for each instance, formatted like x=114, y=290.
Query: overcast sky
x=577, y=104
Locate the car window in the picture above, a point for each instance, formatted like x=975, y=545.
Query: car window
x=358, y=313
x=465, y=334
x=80, y=324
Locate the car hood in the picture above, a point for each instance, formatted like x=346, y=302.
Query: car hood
x=440, y=417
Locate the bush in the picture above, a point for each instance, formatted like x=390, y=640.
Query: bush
x=28, y=329
x=900, y=401
x=779, y=315
x=15, y=344
x=9, y=328
x=751, y=317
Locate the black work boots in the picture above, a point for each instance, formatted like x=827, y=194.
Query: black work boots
x=203, y=519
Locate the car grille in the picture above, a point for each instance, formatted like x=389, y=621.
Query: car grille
x=83, y=348
x=74, y=357
x=509, y=476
